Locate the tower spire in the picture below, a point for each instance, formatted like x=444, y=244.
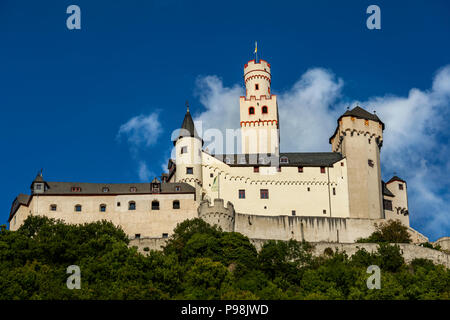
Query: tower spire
x=187, y=106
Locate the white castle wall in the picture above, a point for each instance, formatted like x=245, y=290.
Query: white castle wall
x=288, y=189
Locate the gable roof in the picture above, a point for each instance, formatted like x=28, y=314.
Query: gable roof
x=305, y=159
x=20, y=200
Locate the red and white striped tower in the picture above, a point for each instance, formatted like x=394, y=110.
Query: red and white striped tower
x=259, y=111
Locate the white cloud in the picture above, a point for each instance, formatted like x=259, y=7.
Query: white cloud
x=416, y=147
x=415, y=140
x=144, y=173
x=142, y=130
x=307, y=119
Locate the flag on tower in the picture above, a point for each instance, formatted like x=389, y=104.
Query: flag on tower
x=215, y=186
x=256, y=47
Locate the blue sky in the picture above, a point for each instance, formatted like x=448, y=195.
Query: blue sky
x=64, y=94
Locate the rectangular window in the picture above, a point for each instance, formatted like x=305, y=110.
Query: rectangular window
x=38, y=187
x=241, y=194
x=322, y=169
x=324, y=211
x=300, y=169
x=118, y=204
x=165, y=235
x=255, y=169
x=400, y=186
x=256, y=86
x=387, y=204
x=334, y=191
x=370, y=162
x=293, y=212
x=137, y=235
x=183, y=150
x=264, y=193
x=189, y=170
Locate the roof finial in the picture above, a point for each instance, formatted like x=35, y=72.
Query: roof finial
x=374, y=111
x=348, y=107
x=187, y=106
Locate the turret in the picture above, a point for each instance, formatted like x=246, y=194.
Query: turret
x=259, y=111
x=188, y=148
x=359, y=137
x=38, y=185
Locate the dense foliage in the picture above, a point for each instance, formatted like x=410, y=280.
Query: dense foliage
x=392, y=231
x=198, y=262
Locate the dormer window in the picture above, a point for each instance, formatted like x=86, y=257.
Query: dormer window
x=284, y=160
x=133, y=189
x=227, y=161
x=38, y=186
x=105, y=189
x=177, y=188
x=76, y=189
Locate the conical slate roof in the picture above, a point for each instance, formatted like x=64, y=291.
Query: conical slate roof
x=359, y=113
x=188, y=128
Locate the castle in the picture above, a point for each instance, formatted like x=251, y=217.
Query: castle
x=263, y=193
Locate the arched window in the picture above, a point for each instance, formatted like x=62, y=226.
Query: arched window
x=155, y=205
x=131, y=205
x=78, y=208
x=251, y=110
x=103, y=208
x=176, y=204
x=264, y=109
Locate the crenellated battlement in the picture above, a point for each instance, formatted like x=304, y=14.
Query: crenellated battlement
x=217, y=214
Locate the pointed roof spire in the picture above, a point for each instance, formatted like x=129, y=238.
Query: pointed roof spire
x=187, y=127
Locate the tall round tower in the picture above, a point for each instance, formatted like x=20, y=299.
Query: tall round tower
x=359, y=137
x=259, y=111
x=188, y=148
